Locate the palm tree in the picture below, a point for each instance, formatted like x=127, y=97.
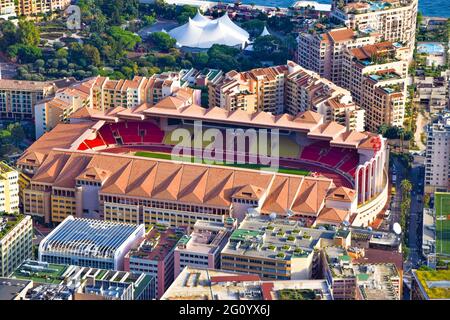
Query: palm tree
x=406, y=187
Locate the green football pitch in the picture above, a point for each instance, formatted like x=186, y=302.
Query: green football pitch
x=442, y=206
x=167, y=156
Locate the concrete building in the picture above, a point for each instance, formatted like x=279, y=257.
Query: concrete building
x=16, y=233
x=13, y=289
x=90, y=243
x=384, y=98
x=7, y=9
x=430, y=285
x=9, y=189
x=359, y=281
x=34, y=7
x=432, y=93
x=362, y=74
x=202, y=247
x=437, y=163
x=322, y=50
x=394, y=20
x=58, y=108
x=275, y=249
x=104, y=94
x=209, y=284
x=70, y=282
x=154, y=255
x=18, y=97
x=285, y=89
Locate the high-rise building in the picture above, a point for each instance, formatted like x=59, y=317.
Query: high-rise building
x=285, y=89
x=321, y=50
x=9, y=189
x=16, y=236
x=376, y=75
x=395, y=20
x=437, y=163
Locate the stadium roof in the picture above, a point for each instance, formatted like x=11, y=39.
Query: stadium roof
x=201, y=32
x=164, y=180
x=88, y=237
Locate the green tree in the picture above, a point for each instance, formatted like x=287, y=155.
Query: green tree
x=406, y=187
x=28, y=33
x=92, y=55
x=185, y=13
x=163, y=40
x=17, y=133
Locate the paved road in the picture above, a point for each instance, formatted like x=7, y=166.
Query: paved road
x=417, y=174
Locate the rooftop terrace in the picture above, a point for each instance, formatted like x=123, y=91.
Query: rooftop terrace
x=276, y=239
x=8, y=222
x=209, y=284
x=157, y=243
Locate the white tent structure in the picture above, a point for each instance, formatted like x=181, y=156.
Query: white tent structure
x=201, y=32
x=265, y=32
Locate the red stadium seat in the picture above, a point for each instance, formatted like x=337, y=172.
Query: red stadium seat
x=83, y=146
x=97, y=142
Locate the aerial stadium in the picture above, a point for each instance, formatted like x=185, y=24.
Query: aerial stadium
x=116, y=165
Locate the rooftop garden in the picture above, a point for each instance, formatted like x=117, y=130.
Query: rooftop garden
x=296, y=294
x=52, y=274
x=427, y=277
x=10, y=221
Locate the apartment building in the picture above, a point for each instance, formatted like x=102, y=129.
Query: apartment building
x=9, y=189
x=394, y=20
x=7, y=9
x=384, y=98
x=437, y=164
x=18, y=97
x=322, y=50
x=260, y=89
x=350, y=279
x=202, y=247
x=275, y=249
x=16, y=236
x=154, y=255
x=34, y=7
x=370, y=68
x=90, y=243
x=285, y=89
x=305, y=90
x=58, y=109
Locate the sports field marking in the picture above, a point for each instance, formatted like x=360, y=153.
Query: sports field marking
x=166, y=156
x=442, y=207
